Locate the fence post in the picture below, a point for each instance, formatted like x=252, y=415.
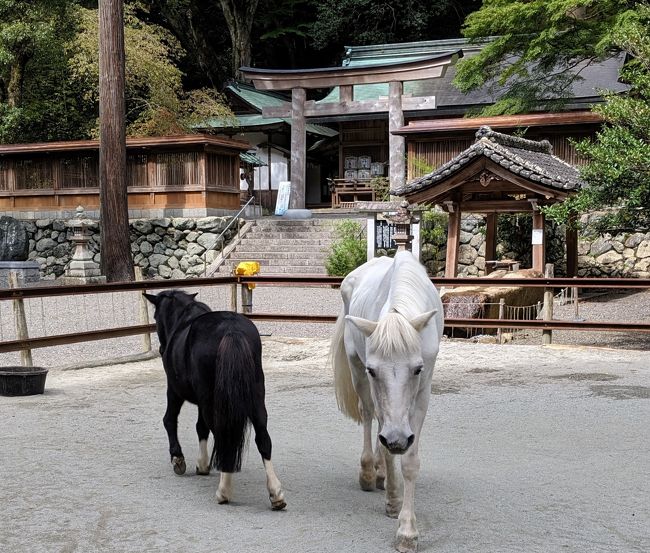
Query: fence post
x=144, y=310
x=576, y=309
x=21, y=322
x=246, y=299
x=547, y=335
x=502, y=305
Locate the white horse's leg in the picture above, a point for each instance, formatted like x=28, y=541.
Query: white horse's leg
x=203, y=462
x=407, y=532
x=367, y=474
x=380, y=465
x=224, y=491
x=274, y=487
x=393, y=487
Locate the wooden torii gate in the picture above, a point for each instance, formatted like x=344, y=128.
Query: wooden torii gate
x=301, y=80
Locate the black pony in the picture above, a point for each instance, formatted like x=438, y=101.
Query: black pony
x=214, y=360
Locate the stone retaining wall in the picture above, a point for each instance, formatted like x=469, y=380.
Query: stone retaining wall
x=164, y=248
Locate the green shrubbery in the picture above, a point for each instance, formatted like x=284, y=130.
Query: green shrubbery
x=348, y=251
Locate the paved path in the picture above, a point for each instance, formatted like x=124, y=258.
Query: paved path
x=525, y=449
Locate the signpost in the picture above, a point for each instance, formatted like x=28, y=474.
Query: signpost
x=282, y=202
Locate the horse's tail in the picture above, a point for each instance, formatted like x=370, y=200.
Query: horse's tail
x=346, y=396
x=234, y=386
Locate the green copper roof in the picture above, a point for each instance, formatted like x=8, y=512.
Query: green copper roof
x=251, y=159
x=251, y=121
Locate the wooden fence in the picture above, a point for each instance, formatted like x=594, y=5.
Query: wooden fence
x=26, y=343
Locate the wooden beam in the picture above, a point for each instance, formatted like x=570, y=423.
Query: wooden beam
x=435, y=126
x=346, y=93
x=298, y=149
x=396, y=144
x=498, y=206
x=539, y=250
x=544, y=190
x=453, y=242
x=352, y=107
x=571, y=247
x=287, y=79
x=490, y=240
x=435, y=193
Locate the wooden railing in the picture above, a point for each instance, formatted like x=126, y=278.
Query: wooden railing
x=346, y=193
x=19, y=294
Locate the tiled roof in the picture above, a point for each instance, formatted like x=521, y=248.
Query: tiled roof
x=596, y=77
x=529, y=159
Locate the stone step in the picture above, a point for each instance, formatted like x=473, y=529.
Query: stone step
x=290, y=228
x=280, y=269
x=294, y=222
x=255, y=255
x=284, y=243
x=249, y=249
x=280, y=235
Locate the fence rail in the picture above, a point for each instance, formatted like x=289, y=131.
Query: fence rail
x=317, y=280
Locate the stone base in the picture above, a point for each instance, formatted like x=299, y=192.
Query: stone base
x=28, y=272
x=73, y=281
x=297, y=214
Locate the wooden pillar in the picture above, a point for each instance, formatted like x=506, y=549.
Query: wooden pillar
x=346, y=93
x=396, y=144
x=490, y=241
x=539, y=242
x=571, y=247
x=453, y=241
x=298, y=149
x=371, y=235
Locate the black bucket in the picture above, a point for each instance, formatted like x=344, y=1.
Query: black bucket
x=22, y=381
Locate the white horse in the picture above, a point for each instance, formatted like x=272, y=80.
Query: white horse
x=383, y=350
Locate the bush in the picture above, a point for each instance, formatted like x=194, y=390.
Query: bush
x=348, y=251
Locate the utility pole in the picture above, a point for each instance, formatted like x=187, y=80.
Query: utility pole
x=117, y=263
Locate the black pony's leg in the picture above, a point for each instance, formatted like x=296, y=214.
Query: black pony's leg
x=263, y=442
x=170, y=420
x=202, y=430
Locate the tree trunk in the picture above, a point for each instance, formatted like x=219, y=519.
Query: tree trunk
x=239, y=16
x=16, y=80
x=117, y=263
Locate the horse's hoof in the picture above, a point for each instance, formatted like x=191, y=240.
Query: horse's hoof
x=379, y=484
x=222, y=499
x=407, y=545
x=201, y=472
x=392, y=511
x=179, y=465
x=278, y=504
x=367, y=485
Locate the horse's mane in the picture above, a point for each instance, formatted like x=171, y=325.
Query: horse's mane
x=407, y=298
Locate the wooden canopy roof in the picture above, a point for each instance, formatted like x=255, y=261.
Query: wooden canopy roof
x=498, y=173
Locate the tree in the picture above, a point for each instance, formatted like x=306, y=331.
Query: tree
x=240, y=15
x=36, y=102
x=540, y=47
x=618, y=168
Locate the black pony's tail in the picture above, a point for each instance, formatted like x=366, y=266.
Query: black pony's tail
x=234, y=385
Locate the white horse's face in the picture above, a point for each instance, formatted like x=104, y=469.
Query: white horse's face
x=395, y=376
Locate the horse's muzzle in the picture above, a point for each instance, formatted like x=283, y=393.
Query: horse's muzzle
x=396, y=444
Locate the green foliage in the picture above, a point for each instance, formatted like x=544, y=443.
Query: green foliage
x=618, y=168
x=538, y=43
x=420, y=167
x=348, y=251
x=381, y=186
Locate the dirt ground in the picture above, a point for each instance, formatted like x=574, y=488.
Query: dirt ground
x=525, y=449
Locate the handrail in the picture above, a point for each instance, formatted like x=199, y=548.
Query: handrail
x=223, y=232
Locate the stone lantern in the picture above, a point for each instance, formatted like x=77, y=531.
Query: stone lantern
x=402, y=220
x=82, y=269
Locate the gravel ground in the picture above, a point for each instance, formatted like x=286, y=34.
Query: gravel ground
x=526, y=449
x=49, y=316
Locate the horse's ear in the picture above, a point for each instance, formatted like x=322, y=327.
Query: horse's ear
x=151, y=297
x=419, y=322
x=193, y=296
x=364, y=325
